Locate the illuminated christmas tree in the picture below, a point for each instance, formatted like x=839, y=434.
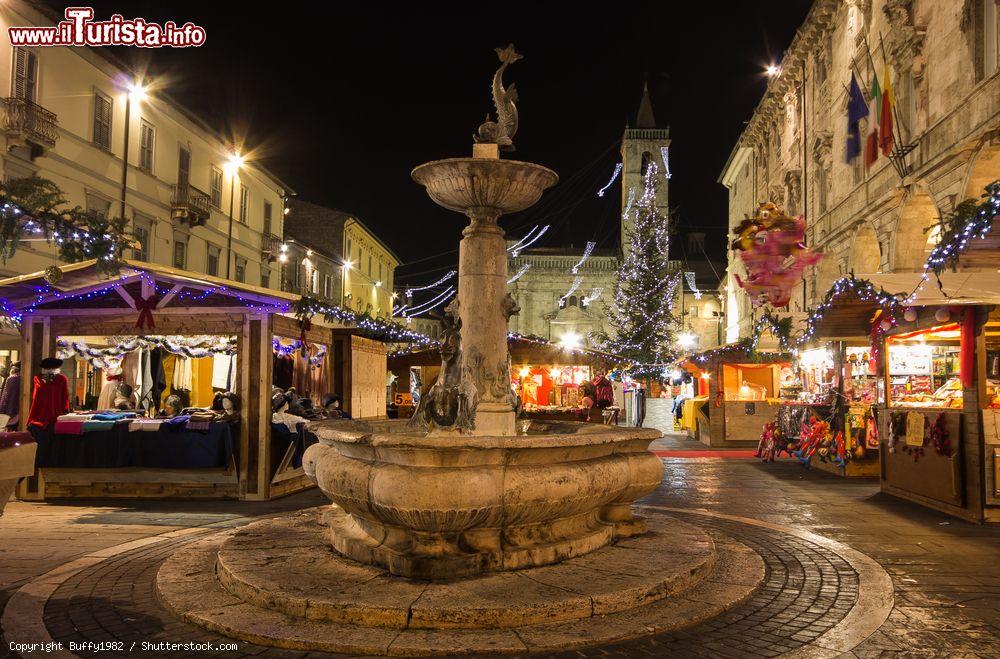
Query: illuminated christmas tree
x=642, y=320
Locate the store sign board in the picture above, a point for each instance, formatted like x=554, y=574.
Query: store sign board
x=910, y=359
x=914, y=429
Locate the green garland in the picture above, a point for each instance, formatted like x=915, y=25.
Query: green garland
x=969, y=220
x=376, y=328
x=36, y=207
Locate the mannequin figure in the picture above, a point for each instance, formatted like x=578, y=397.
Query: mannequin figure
x=49, y=394
x=230, y=404
x=123, y=399
x=113, y=377
x=280, y=413
x=332, y=407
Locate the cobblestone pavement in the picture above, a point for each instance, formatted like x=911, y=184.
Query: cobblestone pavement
x=946, y=573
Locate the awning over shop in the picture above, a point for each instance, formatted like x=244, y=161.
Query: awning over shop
x=976, y=287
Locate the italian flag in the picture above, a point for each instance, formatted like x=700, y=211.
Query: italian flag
x=885, y=118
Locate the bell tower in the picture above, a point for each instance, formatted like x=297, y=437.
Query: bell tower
x=642, y=144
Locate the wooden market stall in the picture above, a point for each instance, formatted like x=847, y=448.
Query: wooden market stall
x=940, y=392
x=546, y=376
x=213, y=335
x=744, y=386
x=837, y=374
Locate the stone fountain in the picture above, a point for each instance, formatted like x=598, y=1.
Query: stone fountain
x=467, y=494
x=451, y=530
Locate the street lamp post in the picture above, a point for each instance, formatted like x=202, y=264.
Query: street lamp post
x=137, y=92
x=233, y=166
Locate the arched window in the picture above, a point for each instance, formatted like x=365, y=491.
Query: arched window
x=647, y=158
x=572, y=300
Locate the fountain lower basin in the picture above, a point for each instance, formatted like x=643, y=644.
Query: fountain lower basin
x=453, y=506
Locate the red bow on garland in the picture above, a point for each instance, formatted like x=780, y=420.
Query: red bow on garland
x=145, y=307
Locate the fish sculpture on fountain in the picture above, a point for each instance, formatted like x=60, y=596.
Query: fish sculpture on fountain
x=501, y=132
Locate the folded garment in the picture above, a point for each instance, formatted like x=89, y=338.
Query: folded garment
x=198, y=425
x=176, y=423
x=97, y=425
x=202, y=415
x=113, y=416
x=70, y=426
x=145, y=425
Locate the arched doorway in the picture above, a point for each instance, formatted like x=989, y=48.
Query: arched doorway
x=914, y=236
x=865, y=256
x=985, y=169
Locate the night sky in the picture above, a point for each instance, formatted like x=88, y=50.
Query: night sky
x=342, y=100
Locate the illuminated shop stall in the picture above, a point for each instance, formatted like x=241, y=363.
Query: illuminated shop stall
x=828, y=415
x=691, y=408
x=164, y=386
x=745, y=384
x=940, y=433
x=547, y=377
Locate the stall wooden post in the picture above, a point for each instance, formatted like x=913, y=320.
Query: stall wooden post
x=254, y=351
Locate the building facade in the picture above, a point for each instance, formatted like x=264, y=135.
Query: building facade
x=559, y=304
x=64, y=120
x=333, y=255
x=942, y=59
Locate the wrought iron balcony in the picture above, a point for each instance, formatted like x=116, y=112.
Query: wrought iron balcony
x=190, y=205
x=270, y=247
x=29, y=124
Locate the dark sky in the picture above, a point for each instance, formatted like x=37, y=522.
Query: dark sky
x=342, y=100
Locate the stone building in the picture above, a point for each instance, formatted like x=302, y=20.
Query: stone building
x=333, y=255
x=558, y=304
x=943, y=62
x=63, y=120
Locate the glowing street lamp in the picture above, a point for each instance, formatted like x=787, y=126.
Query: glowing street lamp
x=570, y=341
x=772, y=70
x=136, y=92
x=232, y=167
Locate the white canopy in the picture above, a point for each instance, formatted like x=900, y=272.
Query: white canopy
x=973, y=287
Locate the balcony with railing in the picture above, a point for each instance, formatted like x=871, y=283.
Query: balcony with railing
x=190, y=205
x=270, y=247
x=29, y=125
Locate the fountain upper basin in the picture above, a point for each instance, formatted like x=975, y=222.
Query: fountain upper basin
x=465, y=184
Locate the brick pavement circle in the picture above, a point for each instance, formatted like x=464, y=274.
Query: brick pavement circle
x=808, y=590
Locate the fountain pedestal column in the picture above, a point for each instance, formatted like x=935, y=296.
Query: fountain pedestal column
x=482, y=282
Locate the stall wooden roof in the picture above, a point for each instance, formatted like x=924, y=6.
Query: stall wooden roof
x=847, y=317
x=22, y=292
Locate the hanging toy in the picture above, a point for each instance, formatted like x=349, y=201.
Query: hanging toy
x=53, y=275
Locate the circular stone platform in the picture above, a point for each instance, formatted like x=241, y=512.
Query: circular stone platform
x=277, y=582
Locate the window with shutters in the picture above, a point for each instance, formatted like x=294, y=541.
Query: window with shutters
x=241, y=270
x=244, y=203
x=265, y=278
x=147, y=136
x=180, y=253
x=183, y=168
x=214, y=254
x=102, y=121
x=217, y=187
x=328, y=286
x=25, y=75
x=141, y=234
x=96, y=204
x=267, y=218
x=314, y=283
